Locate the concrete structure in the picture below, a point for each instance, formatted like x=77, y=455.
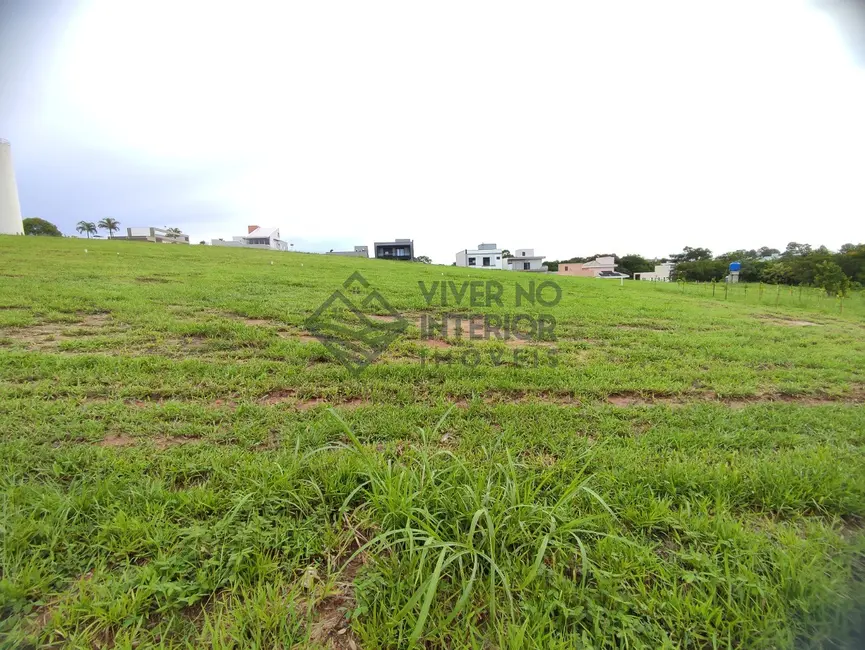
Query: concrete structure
x=10, y=208
x=359, y=251
x=255, y=237
x=600, y=267
x=525, y=260
x=400, y=249
x=485, y=256
x=662, y=273
x=157, y=235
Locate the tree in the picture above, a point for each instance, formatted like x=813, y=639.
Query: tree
x=174, y=233
x=765, y=251
x=830, y=277
x=109, y=224
x=423, y=259
x=777, y=273
x=86, y=227
x=689, y=254
x=633, y=263
x=505, y=253
x=40, y=227
x=795, y=249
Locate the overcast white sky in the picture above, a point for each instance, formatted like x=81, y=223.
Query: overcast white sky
x=569, y=127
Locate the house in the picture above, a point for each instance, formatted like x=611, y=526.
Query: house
x=662, y=273
x=401, y=249
x=525, y=260
x=359, y=251
x=600, y=267
x=256, y=237
x=157, y=235
x=485, y=256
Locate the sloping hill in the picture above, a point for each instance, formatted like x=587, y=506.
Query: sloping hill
x=206, y=446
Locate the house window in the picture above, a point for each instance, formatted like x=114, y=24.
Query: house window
x=472, y=261
x=486, y=261
x=566, y=268
x=498, y=257
x=527, y=266
x=524, y=253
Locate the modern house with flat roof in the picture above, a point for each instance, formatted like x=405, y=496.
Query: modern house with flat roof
x=485, y=256
x=255, y=237
x=524, y=259
x=600, y=267
x=157, y=235
x=359, y=251
x=400, y=249
x=662, y=273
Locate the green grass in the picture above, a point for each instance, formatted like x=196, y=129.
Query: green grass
x=184, y=467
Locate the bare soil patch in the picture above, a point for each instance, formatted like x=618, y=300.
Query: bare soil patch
x=49, y=336
x=784, y=321
x=678, y=401
x=116, y=441
x=329, y=626
x=298, y=336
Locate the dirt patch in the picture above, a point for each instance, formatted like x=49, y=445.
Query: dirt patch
x=160, y=442
x=257, y=322
x=152, y=280
x=528, y=397
x=49, y=336
x=277, y=397
x=383, y=319
x=289, y=395
x=678, y=401
x=306, y=404
x=783, y=321
x=436, y=343
x=329, y=626
x=116, y=441
x=164, y=442
x=298, y=336
x=649, y=327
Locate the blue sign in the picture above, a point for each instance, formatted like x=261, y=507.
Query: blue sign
x=735, y=266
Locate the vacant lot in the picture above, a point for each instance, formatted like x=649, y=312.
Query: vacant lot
x=184, y=464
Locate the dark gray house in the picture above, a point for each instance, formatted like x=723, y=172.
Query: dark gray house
x=401, y=249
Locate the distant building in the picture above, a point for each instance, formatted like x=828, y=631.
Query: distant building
x=401, y=249
x=600, y=267
x=485, y=256
x=158, y=235
x=525, y=260
x=256, y=237
x=662, y=273
x=359, y=251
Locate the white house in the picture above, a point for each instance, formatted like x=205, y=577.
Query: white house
x=159, y=235
x=256, y=237
x=662, y=273
x=525, y=260
x=485, y=256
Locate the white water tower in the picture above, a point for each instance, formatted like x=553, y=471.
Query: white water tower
x=10, y=208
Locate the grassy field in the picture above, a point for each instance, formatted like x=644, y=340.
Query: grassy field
x=184, y=465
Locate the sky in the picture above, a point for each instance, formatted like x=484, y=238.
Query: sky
x=569, y=127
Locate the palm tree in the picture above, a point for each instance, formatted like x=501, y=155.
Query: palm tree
x=110, y=225
x=87, y=227
x=174, y=233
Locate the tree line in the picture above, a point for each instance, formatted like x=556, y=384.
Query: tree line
x=42, y=228
x=798, y=264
